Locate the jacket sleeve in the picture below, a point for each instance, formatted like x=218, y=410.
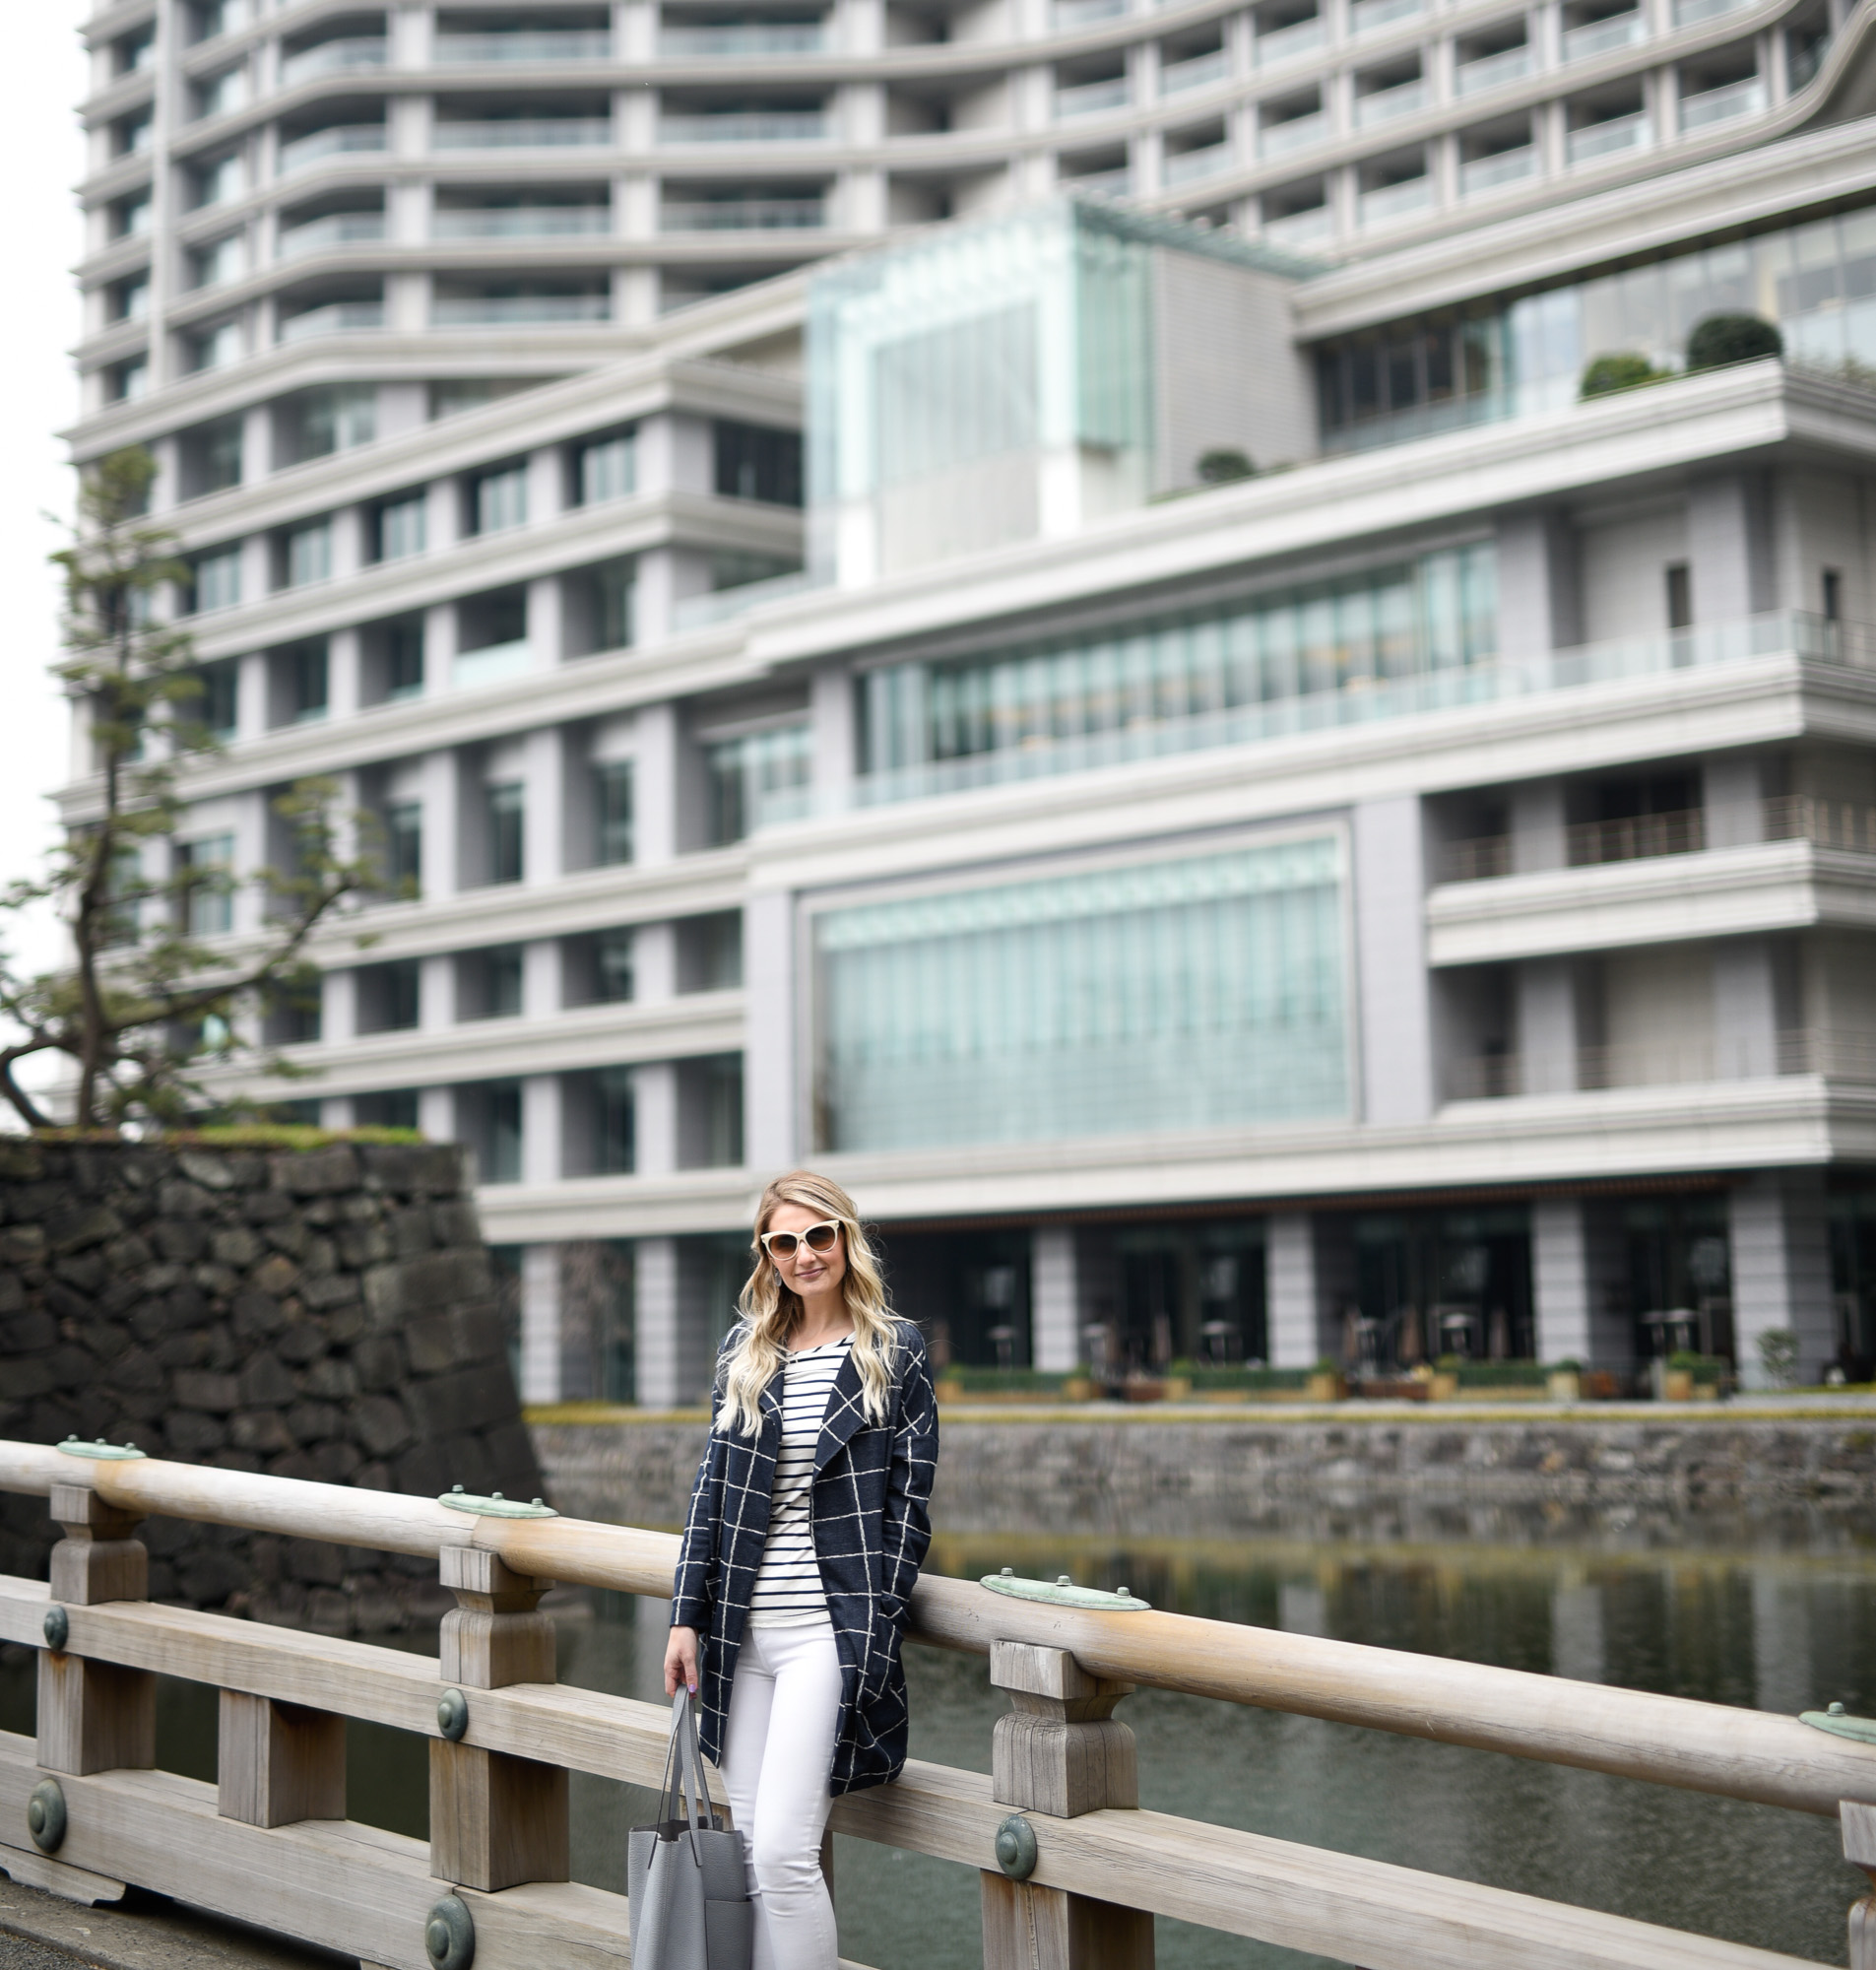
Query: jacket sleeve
x=906, y=1532
x=691, y=1599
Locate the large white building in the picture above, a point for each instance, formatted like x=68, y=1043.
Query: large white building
x=1428, y=884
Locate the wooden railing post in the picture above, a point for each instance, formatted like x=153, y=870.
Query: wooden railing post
x=277, y=1763
x=93, y=1716
x=495, y=1821
x=1057, y=1754
x=1859, y=1824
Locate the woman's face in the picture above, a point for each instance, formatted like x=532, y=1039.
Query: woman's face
x=815, y=1275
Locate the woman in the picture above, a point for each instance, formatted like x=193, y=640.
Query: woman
x=805, y=1535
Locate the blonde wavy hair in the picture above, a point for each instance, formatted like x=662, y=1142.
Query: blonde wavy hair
x=770, y=1309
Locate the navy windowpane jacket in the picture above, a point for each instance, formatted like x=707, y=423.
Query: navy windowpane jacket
x=871, y=1485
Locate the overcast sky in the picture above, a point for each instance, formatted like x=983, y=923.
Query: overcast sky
x=42, y=156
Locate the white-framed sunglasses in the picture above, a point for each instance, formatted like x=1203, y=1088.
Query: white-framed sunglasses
x=822, y=1237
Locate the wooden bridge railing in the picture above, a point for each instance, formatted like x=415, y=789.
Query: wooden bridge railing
x=1071, y=1869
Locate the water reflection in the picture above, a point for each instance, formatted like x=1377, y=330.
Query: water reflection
x=1780, y=1630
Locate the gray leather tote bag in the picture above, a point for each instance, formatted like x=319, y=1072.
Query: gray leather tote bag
x=684, y=1878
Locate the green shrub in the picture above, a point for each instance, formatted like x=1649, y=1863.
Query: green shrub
x=1731, y=337
x=1237, y=1376
x=1013, y=1381
x=1502, y=1374
x=1225, y=463
x=1607, y=374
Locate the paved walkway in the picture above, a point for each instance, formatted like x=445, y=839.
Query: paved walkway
x=142, y=1932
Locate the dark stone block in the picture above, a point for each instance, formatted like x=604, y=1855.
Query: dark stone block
x=314, y=1561
x=219, y=1282
x=331, y=1381
x=129, y=1254
x=180, y=1200
x=137, y=1368
x=414, y=1169
x=410, y=1231
x=329, y=1612
x=105, y=1339
x=431, y=1343
x=308, y=1424
x=20, y=1161
x=428, y=1471
x=186, y=1305
x=373, y=1476
x=511, y=1450
x=257, y=1315
x=262, y=1430
x=210, y=1576
x=21, y=1245
x=299, y=1464
x=379, y=1361
x=301, y=1342
x=346, y=1322
x=435, y=1280
x=181, y=1350
x=381, y=1424
x=77, y=1227
x=11, y=1293
x=180, y=1239
x=363, y=1245
x=455, y=1223
x=276, y=1275
x=73, y=1366
x=334, y=1290
x=236, y=1247
x=290, y=1235
x=266, y=1383
x=29, y=1333
x=85, y=1273
x=31, y=1377
x=317, y=1172
x=192, y=1434
x=63, y=1303
x=201, y=1166
x=335, y=1462
x=466, y=1399
x=233, y=1458
x=266, y=1207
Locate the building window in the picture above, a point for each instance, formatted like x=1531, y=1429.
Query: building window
x=501, y=499
x=507, y=808
x=218, y=581
x=309, y=554
x=756, y=462
x=402, y=528
x=403, y=847
x=130, y=299
x=211, y=458
x=219, y=707
x=503, y=985
x=205, y=884
x=613, y=982
x=612, y=802
x=317, y=422
x=502, y=1137
x=216, y=348
x=1680, y=595
x=308, y=679
x=1832, y=595
x=131, y=218
x=128, y=381
x=616, y=1144
x=609, y=469
x=1206, y=992
x=748, y=772
x=390, y=996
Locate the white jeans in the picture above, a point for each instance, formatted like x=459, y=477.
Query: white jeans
x=778, y=1744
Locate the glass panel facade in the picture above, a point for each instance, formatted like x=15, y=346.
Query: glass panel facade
x=1817, y=281
x=745, y=773
x=613, y=805
x=1206, y=992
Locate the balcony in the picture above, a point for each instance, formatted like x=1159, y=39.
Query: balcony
x=1117, y=183
x=1300, y=38
x=523, y=133
x=521, y=221
x=1394, y=201
x=1690, y=13
x=1365, y=16
x=1746, y=97
x=742, y=39
x=340, y=57
x=1090, y=98
x=339, y=140
x=1492, y=71
x=1479, y=175
x=1601, y=37
x=1299, y=231
x=1278, y=140
x=337, y=229
x=518, y=311
x=1618, y=133
x=538, y=45
x=1383, y=105
x=492, y=663
x=1187, y=166
x=742, y=215
x=1197, y=73
x=335, y=318
x=746, y=127
x=1068, y=14
x=1833, y=1054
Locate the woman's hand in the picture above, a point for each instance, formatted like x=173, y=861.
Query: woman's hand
x=681, y=1661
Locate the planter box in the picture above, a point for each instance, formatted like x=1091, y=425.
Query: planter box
x=1565, y=1386
x=1325, y=1389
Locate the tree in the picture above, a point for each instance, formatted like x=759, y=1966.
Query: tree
x=147, y=998
x=1731, y=337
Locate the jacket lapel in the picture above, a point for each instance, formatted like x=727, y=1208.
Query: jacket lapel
x=846, y=1412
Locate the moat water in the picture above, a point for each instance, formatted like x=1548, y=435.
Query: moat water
x=1778, y=1616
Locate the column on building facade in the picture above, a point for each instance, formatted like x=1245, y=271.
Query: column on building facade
x=542, y=988
x=1548, y=1034
x=1732, y=800
x=656, y=1315
x=769, y=1104
x=1539, y=600
x=1390, y=969
x=1575, y=1264
x=1746, y=1008
x=655, y=1118
x=542, y=1131
x=1054, y=1301
x=657, y=789
x=338, y=1112
x=437, y=1113
x=445, y=796
x=436, y=992
x=343, y=682
x=541, y=1323
x=1539, y=825
x=1310, y=1281
x=544, y=775
x=1729, y=546
x=1782, y=1270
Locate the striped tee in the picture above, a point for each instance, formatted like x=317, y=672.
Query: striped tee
x=788, y=1593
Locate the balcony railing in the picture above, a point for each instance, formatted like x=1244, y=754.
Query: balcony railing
x=518, y=311
x=1833, y=1054
x=1117, y=183
x=1186, y=167
x=1479, y=175
x=1299, y=231
x=1382, y=106
x=1365, y=16
x=1198, y=72
x=490, y=664
x=746, y=127
x=1690, y=13
x=538, y=45
x=1089, y=98
x=523, y=133
x=520, y=221
x=1068, y=14
x=335, y=318
x=327, y=235
x=742, y=215
x=743, y=39
x=1619, y=133
x=1492, y=71
x=353, y=51
x=1297, y=133
x=1598, y=37
x=1394, y=201
x=1300, y=38
x=338, y=140
x=1721, y=105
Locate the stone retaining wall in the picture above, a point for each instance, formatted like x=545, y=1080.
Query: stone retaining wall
x=328, y=1314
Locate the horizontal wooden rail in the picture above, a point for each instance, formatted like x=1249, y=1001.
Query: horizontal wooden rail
x=1671, y=1740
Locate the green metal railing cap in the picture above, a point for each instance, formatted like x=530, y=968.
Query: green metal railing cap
x=101, y=1450
x=1061, y=1592
x=1840, y=1724
x=494, y=1506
